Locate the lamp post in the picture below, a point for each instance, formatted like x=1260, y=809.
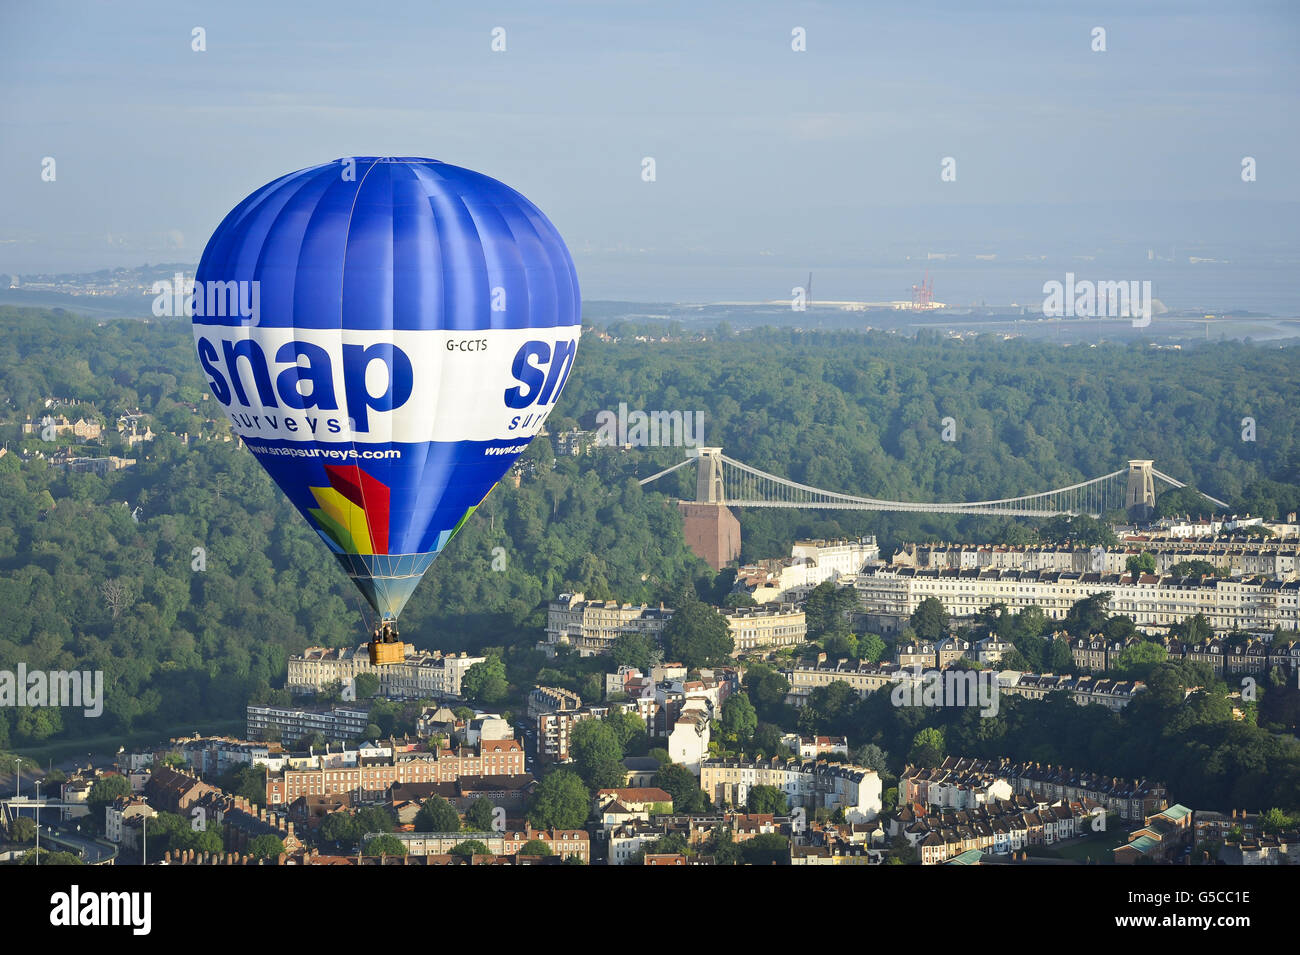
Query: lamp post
x=18, y=777
x=38, y=822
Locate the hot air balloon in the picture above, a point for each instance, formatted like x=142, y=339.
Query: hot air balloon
x=386, y=335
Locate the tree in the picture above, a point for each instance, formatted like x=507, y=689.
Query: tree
x=117, y=596
x=266, y=847
x=1275, y=820
x=1143, y=563
x=1030, y=622
x=929, y=619
x=628, y=727
x=1196, y=568
x=341, y=828
x=485, y=682
x=313, y=741
x=1136, y=662
x=828, y=607
x=766, y=689
x=22, y=830
x=768, y=848
x=840, y=645
x=560, y=801
x=1013, y=659
x=902, y=852
x=1194, y=629
x=768, y=800
x=51, y=858
x=106, y=789
x=437, y=815
x=365, y=685
x=597, y=754
x=927, y=747
x=375, y=819
x=739, y=721
x=1079, y=529
x=767, y=739
x=871, y=756
x=697, y=635
x=478, y=817
x=1181, y=500
x=889, y=799
x=674, y=843
x=1058, y=658
x=247, y=781
x=634, y=650
x=726, y=851
x=1087, y=616
x=871, y=647
x=829, y=709
x=469, y=848
x=385, y=845
x=535, y=847
x=208, y=840
x=680, y=783
x=1119, y=628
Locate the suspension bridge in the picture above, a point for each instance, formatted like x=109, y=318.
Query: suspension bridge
x=726, y=481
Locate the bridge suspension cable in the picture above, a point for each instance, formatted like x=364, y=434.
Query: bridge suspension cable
x=749, y=487
x=746, y=486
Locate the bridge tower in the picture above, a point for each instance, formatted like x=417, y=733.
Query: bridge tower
x=708, y=525
x=709, y=488
x=1140, y=501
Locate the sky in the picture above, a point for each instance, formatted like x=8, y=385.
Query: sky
x=769, y=162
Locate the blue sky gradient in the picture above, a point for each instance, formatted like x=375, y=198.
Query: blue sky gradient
x=765, y=157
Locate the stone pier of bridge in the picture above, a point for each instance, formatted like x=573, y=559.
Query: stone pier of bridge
x=711, y=530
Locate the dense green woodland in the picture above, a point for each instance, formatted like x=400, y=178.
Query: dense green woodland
x=861, y=414
x=83, y=585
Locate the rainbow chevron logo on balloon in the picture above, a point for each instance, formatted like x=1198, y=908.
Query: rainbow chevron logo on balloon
x=353, y=511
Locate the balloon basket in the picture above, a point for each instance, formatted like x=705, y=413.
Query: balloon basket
x=383, y=654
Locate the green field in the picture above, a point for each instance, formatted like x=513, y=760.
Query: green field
x=109, y=742
x=1099, y=847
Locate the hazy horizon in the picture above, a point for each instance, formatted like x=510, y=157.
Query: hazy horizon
x=769, y=163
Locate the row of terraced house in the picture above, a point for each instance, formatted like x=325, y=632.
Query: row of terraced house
x=963, y=782
x=866, y=678
x=889, y=595
x=1224, y=654
x=1000, y=826
x=1237, y=558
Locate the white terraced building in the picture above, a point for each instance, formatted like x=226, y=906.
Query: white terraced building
x=758, y=628
x=867, y=678
x=592, y=626
x=811, y=562
x=421, y=675
x=1237, y=558
x=1154, y=602
x=806, y=784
